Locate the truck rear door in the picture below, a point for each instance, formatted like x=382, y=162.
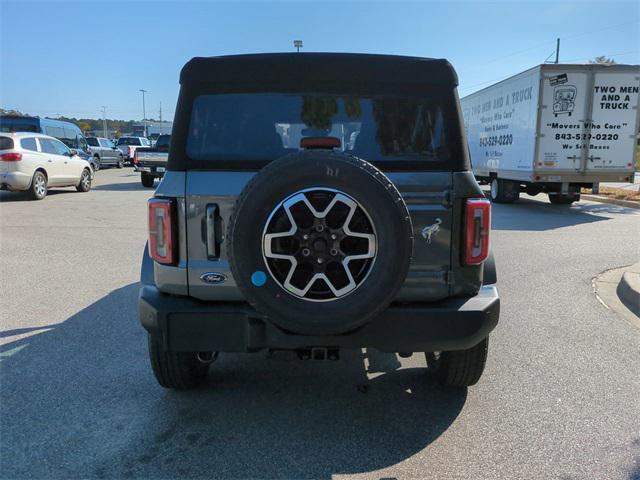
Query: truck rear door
x=563, y=126
x=613, y=127
x=588, y=121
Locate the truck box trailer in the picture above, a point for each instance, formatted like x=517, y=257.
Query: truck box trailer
x=554, y=129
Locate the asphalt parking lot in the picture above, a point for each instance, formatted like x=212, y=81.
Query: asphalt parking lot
x=560, y=397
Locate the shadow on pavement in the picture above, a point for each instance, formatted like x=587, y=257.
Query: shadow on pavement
x=536, y=215
x=80, y=401
x=6, y=196
x=120, y=187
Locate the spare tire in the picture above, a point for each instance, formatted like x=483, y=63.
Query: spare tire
x=320, y=242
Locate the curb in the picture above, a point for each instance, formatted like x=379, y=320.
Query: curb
x=629, y=288
x=613, y=292
x=614, y=201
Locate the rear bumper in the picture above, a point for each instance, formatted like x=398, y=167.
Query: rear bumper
x=151, y=170
x=591, y=176
x=15, y=181
x=186, y=324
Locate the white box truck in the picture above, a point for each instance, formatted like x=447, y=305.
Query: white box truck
x=554, y=129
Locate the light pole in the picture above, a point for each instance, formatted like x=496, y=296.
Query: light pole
x=144, y=113
x=298, y=45
x=104, y=121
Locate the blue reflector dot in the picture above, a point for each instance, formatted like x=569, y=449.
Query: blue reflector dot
x=258, y=278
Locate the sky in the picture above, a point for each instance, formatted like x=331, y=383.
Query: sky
x=71, y=58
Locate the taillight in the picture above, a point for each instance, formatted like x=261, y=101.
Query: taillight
x=163, y=247
x=128, y=151
x=11, y=157
x=476, y=231
x=135, y=157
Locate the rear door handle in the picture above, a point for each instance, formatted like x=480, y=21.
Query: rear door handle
x=213, y=242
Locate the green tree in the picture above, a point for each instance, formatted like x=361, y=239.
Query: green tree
x=602, y=60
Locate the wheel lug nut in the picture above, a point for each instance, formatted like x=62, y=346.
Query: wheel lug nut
x=333, y=252
x=306, y=252
x=319, y=228
x=320, y=260
x=333, y=236
x=305, y=237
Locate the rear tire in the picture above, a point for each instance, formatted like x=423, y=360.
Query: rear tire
x=460, y=368
x=504, y=191
x=176, y=370
x=120, y=162
x=96, y=163
x=560, y=199
x=85, y=181
x=147, y=180
x=38, y=188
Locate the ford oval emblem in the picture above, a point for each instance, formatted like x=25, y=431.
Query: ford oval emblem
x=213, y=277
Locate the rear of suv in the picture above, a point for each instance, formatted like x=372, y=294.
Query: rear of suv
x=317, y=202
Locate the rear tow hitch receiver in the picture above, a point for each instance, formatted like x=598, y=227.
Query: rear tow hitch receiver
x=207, y=357
x=319, y=353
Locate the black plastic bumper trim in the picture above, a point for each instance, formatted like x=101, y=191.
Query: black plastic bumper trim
x=186, y=324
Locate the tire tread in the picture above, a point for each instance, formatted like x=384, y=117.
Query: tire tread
x=175, y=370
x=463, y=368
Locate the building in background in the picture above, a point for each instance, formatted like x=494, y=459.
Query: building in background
x=100, y=133
x=153, y=128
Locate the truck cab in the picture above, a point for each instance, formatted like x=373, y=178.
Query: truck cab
x=129, y=145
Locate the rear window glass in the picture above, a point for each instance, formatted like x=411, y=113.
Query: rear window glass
x=29, y=144
x=163, y=141
x=93, y=142
x=9, y=125
x=6, y=143
x=53, y=131
x=266, y=126
x=129, y=141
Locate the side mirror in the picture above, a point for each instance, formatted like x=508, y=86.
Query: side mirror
x=73, y=152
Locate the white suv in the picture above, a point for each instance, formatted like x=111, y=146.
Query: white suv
x=32, y=162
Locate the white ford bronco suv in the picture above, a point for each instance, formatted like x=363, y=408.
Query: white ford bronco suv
x=316, y=202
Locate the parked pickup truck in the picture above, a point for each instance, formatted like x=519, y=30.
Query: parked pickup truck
x=336, y=211
x=129, y=145
x=151, y=162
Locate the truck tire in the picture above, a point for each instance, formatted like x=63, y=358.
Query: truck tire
x=176, y=370
x=147, y=180
x=504, y=191
x=460, y=368
x=288, y=259
x=562, y=199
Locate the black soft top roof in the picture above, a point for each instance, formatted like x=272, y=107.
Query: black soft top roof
x=318, y=68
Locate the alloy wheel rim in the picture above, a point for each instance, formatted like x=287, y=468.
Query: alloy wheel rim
x=40, y=185
x=319, y=244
